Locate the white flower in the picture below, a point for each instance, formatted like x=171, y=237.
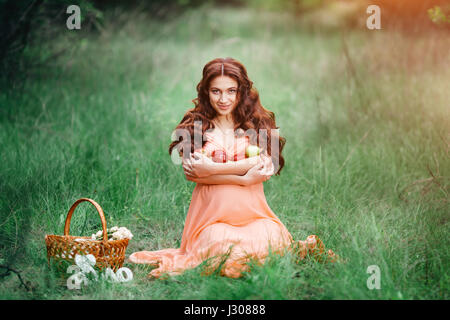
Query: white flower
x=122, y=233
x=115, y=233
x=118, y=235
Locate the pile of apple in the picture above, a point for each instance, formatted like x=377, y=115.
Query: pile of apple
x=221, y=156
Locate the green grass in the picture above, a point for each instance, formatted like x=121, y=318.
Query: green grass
x=360, y=129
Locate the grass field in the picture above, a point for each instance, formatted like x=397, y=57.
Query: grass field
x=365, y=115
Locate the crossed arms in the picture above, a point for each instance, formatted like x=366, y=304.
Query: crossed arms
x=201, y=169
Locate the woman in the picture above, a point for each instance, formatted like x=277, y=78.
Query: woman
x=229, y=221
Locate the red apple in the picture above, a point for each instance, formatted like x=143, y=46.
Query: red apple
x=219, y=156
x=238, y=156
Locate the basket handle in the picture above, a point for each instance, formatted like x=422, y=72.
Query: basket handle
x=100, y=212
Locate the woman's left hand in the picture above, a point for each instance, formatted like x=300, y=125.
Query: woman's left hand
x=198, y=166
x=260, y=172
x=268, y=169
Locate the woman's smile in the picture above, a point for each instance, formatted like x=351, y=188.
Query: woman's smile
x=224, y=107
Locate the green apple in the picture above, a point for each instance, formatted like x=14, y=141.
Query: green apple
x=252, y=151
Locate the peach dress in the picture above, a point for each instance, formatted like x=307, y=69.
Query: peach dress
x=228, y=224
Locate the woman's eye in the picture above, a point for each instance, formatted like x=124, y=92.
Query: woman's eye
x=232, y=90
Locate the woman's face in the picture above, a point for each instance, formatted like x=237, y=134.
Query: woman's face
x=223, y=94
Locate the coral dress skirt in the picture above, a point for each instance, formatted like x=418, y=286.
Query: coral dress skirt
x=226, y=226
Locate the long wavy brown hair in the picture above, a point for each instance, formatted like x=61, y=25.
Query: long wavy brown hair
x=248, y=113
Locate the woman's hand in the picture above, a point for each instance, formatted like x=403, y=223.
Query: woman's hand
x=269, y=168
x=197, y=166
x=261, y=172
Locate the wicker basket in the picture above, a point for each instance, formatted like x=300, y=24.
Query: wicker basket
x=107, y=253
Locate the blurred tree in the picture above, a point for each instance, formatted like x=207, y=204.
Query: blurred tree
x=440, y=15
x=412, y=14
x=26, y=28
x=15, y=26
x=163, y=9
x=301, y=6
x=295, y=6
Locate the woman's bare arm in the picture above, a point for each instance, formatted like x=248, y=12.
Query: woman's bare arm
x=201, y=166
x=257, y=174
x=239, y=167
x=220, y=179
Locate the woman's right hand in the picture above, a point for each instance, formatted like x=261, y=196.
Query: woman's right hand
x=197, y=166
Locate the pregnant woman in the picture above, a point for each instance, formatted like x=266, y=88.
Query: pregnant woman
x=229, y=221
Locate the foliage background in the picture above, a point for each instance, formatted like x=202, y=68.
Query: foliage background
x=89, y=113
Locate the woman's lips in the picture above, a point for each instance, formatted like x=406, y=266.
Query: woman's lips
x=224, y=107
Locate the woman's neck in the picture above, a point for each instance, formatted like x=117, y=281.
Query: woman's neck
x=224, y=122
x=225, y=126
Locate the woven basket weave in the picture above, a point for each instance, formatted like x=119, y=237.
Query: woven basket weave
x=107, y=253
